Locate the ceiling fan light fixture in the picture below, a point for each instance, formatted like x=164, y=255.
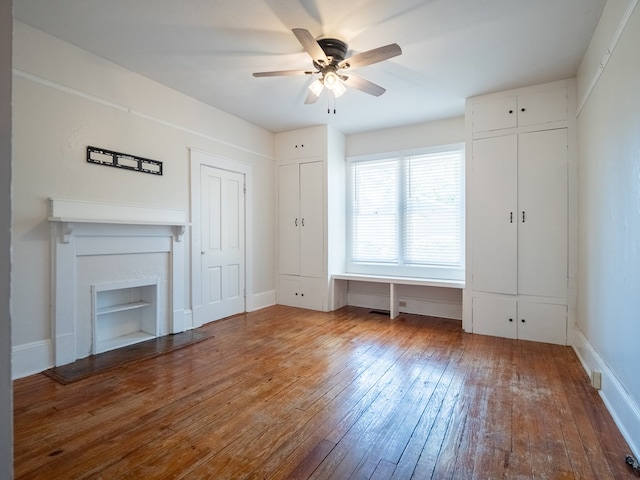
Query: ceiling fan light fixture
x=329, y=57
x=339, y=89
x=331, y=80
x=316, y=87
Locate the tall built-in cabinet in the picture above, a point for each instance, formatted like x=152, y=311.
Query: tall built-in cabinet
x=311, y=222
x=520, y=173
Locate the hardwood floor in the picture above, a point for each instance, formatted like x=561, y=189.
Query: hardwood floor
x=285, y=393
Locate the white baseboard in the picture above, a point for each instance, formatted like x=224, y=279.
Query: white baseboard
x=624, y=410
x=31, y=358
x=260, y=300
x=431, y=307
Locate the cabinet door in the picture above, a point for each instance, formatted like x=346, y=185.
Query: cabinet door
x=311, y=220
x=288, y=291
x=542, y=107
x=541, y=322
x=494, y=211
x=311, y=292
x=495, y=114
x=542, y=213
x=495, y=316
x=302, y=143
x=288, y=219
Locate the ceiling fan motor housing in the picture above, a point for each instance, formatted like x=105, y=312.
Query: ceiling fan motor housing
x=334, y=49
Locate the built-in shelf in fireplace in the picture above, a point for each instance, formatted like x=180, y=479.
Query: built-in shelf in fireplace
x=124, y=313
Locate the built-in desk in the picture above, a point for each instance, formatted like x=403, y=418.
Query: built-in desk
x=394, y=304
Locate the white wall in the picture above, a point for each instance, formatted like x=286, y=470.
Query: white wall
x=443, y=302
x=6, y=395
x=66, y=99
x=608, y=319
x=428, y=134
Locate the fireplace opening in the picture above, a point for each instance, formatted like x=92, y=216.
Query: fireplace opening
x=124, y=313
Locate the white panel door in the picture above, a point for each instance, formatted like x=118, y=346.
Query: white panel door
x=542, y=213
x=311, y=220
x=289, y=219
x=223, y=243
x=494, y=214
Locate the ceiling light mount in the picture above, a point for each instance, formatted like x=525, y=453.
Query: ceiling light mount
x=334, y=49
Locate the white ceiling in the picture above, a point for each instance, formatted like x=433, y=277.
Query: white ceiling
x=208, y=49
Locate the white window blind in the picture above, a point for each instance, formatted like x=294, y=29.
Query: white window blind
x=433, y=229
x=375, y=211
x=406, y=214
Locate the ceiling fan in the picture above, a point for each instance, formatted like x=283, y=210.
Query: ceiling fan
x=328, y=55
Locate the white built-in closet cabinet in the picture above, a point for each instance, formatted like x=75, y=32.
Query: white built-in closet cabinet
x=310, y=164
x=518, y=226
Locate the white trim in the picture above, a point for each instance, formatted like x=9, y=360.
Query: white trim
x=621, y=406
x=32, y=358
x=407, y=152
x=107, y=103
x=607, y=56
x=197, y=160
x=425, y=282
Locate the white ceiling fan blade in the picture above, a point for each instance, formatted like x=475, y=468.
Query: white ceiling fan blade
x=364, y=85
x=311, y=98
x=310, y=45
x=280, y=73
x=371, y=56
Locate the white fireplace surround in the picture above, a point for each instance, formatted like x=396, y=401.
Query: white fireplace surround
x=97, y=244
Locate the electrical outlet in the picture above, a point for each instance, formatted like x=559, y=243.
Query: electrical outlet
x=402, y=303
x=596, y=379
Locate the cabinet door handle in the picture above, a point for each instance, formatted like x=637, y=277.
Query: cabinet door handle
x=523, y=109
x=296, y=222
x=523, y=216
x=303, y=221
x=510, y=217
x=522, y=320
x=511, y=319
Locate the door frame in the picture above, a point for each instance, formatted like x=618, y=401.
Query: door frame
x=197, y=160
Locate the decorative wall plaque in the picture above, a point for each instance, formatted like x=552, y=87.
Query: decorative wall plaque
x=110, y=158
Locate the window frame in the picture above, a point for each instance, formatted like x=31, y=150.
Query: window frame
x=401, y=269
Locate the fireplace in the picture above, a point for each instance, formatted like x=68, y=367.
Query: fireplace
x=117, y=276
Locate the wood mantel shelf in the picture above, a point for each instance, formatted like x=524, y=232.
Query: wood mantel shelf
x=69, y=212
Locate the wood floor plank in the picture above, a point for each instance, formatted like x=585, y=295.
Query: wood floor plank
x=290, y=393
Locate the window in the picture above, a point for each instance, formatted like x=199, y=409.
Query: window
x=406, y=214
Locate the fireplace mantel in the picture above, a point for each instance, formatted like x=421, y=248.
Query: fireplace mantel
x=96, y=245
x=71, y=212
